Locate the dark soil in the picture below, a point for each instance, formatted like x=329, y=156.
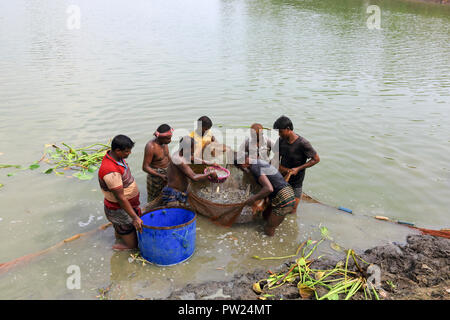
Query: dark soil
x=418, y=270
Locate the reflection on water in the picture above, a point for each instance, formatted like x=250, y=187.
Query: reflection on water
x=374, y=103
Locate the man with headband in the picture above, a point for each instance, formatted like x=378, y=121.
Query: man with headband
x=156, y=161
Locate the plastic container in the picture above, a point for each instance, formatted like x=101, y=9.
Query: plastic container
x=168, y=235
x=219, y=179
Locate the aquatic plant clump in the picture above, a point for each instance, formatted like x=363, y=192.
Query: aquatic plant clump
x=335, y=284
x=84, y=160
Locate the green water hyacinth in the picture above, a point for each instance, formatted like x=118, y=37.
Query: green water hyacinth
x=85, y=160
x=338, y=282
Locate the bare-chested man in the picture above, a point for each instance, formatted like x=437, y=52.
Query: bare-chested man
x=179, y=173
x=156, y=161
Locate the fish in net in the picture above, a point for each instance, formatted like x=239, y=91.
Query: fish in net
x=224, y=203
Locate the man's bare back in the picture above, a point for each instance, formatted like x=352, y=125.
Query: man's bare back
x=179, y=173
x=176, y=178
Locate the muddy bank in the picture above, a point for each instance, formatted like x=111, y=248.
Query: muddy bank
x=418, y=270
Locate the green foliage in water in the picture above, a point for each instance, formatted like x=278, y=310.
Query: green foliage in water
x=85, y=161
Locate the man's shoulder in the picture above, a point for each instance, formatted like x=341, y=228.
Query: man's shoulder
x=301, y=140
x=151, y=144
x=177, y=160
x=107, y=166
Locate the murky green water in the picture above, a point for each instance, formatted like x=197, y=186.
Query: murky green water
x=374, y=103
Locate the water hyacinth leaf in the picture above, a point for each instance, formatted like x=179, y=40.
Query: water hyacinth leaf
x=334, y=297
x=1, y=185
x=319, y=275
x=92, y=168
x=48, y=171
x=325, y=233
x=301, y=262
x=83, y=176
x=34, y=166
x=257, y=288
x=305, y=291
x=335, y=246
x=11, y=174
x=3, y=166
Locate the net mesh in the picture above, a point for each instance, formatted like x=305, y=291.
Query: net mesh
x=226, y=214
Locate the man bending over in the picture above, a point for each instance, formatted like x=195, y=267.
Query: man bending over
x=180, y=173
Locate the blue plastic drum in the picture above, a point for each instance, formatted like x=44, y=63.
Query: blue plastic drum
x=168, y=235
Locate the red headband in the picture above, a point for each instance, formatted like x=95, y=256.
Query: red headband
x=165, y=134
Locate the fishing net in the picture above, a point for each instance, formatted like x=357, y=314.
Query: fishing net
x=218, y=201
x=443, y=233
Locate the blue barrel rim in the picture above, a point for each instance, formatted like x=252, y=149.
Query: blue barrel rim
x=173, y=227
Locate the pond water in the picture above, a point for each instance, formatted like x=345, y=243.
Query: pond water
x=374, y=103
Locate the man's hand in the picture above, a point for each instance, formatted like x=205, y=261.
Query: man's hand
x=213, y=175
x=294, y=171
x=249, y=202
x=137, y=223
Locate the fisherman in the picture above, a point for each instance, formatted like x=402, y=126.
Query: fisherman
x=257, y=145
x=179, y=173
x=292, y=152
x=156, y=161
x=273, y=185
x=121, y=193
x=203, y=138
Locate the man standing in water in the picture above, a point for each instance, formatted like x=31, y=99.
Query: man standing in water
x=293, y=153
x=273, y=185
x=156, y=161
x=121, y=193
x=179, y=173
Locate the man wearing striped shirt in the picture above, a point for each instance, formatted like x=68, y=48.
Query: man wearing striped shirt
x=121, y=193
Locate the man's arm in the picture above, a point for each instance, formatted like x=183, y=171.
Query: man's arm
x=125, y=205
x=194, y=176
x=148, y=158
x=313, y=161
x=276, y=162
x=267, y=189
x=197, y=160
